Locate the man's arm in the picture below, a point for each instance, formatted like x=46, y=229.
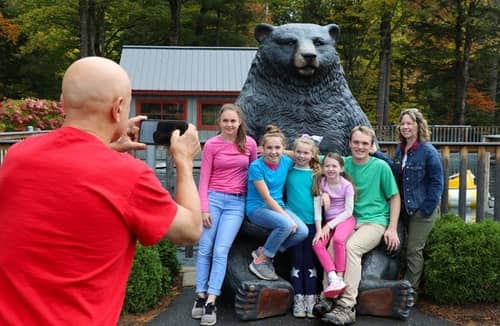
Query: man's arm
x=391, y=237
x=187, y=225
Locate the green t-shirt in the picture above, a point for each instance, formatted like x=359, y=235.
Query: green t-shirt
x=375, y=185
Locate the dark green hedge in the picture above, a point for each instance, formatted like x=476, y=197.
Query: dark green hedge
x=152, y=276
x=463, y=263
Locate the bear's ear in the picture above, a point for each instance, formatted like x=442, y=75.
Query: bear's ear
x=262, y=31
x=333, y=30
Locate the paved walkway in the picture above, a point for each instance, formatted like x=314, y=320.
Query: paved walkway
x=178, y=313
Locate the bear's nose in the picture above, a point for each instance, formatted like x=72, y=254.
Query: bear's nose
x=309, y=56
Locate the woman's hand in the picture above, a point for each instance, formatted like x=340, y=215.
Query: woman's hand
x=207, y=220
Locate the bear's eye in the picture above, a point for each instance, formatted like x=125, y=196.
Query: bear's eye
x=319, y=42
x=287, y=41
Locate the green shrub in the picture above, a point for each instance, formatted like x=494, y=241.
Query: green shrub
x=463, y=262
x=16, y=115
x=168, y=258
x=152, y=276
x=145, y=284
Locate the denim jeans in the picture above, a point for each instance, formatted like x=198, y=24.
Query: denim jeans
x=280, y=237
x=227, y=212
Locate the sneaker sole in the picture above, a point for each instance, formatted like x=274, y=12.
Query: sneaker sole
x=208, y=323
x=194, y=316
x=334, y=293
x=253, y=270
x=197, y=314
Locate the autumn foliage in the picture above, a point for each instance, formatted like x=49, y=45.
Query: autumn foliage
x=479, y=100
x=17, y=115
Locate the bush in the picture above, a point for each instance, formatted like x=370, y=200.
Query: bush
x=145, y=284
x=168, y=258
x=463, y=264
x=153, y=272
x=16, y=115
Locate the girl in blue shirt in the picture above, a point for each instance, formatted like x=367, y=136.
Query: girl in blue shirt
x=301, y=186
x=265, y=206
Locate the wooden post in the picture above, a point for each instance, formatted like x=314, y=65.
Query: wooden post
x=445, y=154
x=462, y=188
x=496, y=214
x=482, y=183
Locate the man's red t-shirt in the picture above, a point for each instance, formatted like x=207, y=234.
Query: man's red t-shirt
x=71, y=211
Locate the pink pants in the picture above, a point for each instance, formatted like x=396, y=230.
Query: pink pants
x=338, y=237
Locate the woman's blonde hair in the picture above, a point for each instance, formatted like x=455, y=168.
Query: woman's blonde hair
x=424, y=133
x=241, y=134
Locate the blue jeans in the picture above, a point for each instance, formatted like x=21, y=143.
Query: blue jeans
x=227, y=212
x=280, y=237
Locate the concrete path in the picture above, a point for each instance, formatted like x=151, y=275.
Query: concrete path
x=178, y=313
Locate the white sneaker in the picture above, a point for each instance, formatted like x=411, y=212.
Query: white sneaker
x=309, y=303
x=299, y=308
x=335, y=288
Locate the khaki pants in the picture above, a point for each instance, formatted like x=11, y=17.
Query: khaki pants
x=365, y=237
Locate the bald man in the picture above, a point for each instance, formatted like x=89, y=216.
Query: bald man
x=73, y=206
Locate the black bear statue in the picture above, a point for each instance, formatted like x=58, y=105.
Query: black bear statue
x=297, y=83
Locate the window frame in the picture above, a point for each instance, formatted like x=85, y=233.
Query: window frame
x=199, y=111
x=162, y=101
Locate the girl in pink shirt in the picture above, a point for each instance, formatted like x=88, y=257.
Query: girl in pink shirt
x=222, y=188
x=338, y=189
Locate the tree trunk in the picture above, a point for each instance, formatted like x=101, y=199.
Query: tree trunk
x=200, y=23
x=385, y=70
x=84, y=36
x=175, y=21
x=493, y=73
x=218, y=28
x=99, y=29
x=462, y=53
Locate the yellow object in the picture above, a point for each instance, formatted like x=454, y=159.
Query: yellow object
x=471, y=191
x=454, y=181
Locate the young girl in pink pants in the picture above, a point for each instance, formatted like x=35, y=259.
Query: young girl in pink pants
x=338, y=195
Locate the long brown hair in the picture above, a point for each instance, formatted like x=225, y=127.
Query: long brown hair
x=314, y=163
x=241, y=134
x=337, y=157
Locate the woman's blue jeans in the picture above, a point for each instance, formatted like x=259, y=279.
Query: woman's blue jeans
x=280, y=237
x=227, y=212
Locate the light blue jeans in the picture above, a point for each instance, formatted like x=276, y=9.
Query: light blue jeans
x=280, y=237
x=227, y=212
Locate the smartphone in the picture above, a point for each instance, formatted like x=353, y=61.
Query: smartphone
x=158, y=132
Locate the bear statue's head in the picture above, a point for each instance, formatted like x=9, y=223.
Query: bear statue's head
x=300, y=49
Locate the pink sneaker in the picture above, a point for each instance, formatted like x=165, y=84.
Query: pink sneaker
x=335, y=288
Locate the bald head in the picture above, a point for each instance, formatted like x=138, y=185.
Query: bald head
x=92, y=83
x=96, y=97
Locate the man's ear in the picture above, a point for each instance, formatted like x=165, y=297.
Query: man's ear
x=116, y=109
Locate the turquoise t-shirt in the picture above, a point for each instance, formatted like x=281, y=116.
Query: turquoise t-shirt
x=299, y=194
x=274, y=179
x=375, y=185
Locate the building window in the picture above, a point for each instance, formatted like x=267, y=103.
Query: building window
x=163, y=109
x=207, y=113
